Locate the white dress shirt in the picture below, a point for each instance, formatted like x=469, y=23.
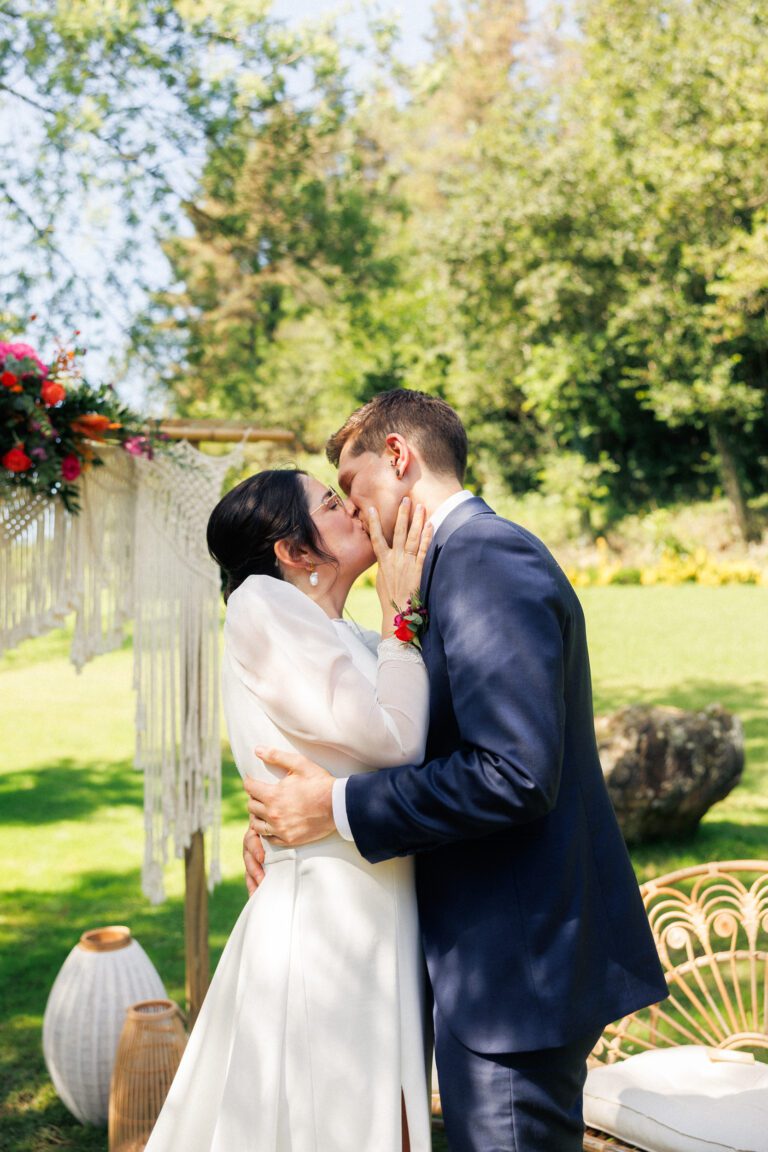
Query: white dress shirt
x=338, y=795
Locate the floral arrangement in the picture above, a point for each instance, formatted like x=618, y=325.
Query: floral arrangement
x=411, y=621
x=52, y=421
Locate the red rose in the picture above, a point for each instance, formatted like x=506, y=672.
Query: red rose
x=404, y=632
x=52, y=393
x=70, y=468
x=9, y=380
x=16, y=459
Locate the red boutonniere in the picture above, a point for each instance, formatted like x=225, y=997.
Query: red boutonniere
x=411, y=622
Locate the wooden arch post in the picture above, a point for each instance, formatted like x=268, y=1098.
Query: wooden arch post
x=198, y=969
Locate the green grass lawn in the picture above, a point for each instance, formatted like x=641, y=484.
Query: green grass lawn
x=70, y=804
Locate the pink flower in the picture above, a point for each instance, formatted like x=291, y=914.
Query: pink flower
x=70, y=468
x=38, y=453
x=138, y=446
x=21, y=352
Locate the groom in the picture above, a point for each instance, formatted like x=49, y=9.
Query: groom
x=533, y=928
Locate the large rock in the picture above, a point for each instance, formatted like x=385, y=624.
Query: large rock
x=665, y=767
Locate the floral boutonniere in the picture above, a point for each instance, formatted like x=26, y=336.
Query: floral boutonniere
x=411, y=622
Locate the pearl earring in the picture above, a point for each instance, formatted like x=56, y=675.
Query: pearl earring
x=314, y=577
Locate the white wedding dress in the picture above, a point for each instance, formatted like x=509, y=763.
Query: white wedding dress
x=313, y=1028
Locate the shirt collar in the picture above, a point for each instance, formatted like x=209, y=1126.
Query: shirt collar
x=447, y=507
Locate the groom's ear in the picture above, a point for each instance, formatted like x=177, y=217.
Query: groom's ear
x=398, y=453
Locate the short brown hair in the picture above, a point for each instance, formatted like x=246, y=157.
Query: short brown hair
x=432, y=424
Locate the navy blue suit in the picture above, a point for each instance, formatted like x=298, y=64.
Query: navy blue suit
x=533, y=927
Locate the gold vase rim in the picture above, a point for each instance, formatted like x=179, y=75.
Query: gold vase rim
x=108, y=939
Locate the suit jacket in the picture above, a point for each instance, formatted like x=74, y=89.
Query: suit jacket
x=532, y=923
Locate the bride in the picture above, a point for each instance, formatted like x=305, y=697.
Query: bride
x=312, y=1035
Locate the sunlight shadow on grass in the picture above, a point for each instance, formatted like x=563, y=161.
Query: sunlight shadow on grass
x=67, y=790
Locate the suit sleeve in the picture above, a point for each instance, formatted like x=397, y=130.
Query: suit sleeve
x=289, y=656
x=501, y=620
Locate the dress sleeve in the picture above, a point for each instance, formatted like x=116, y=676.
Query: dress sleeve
x=290, y=657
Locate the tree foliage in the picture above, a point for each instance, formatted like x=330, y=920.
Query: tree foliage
x=109, y=110
x=606, y=240
x=560, y=228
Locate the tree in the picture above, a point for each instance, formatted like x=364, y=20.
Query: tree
x=274, y=277
x=478, y=64
x=607, y=246
x=109, y=109
x=679, y=89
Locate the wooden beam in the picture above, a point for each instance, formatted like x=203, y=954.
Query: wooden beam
x=221, y=431
x=195, y=926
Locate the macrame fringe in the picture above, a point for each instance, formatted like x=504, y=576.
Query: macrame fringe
x=136, y=551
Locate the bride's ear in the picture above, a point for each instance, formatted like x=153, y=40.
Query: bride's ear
x=289, y=556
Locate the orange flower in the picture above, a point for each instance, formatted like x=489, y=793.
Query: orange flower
x=52, y=393
x=94, y=426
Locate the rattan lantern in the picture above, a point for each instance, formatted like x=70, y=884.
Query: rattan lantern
x=104, y=973
x=150, y=1049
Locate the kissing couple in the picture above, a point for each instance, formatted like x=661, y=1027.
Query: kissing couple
x=431, y=849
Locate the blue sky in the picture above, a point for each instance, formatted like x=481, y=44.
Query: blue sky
x=413, y=17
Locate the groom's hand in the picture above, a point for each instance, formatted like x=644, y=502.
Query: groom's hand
x=296, y=810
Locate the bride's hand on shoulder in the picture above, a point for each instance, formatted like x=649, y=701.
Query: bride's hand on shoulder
x=400, y=566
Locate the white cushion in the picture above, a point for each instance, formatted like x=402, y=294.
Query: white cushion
x=682, y=1100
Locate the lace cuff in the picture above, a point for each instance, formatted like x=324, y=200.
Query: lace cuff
x=394, y=649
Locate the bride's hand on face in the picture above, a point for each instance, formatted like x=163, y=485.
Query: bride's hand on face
x=400, y=565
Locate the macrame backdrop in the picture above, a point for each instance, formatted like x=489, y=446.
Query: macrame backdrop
x=136, y=551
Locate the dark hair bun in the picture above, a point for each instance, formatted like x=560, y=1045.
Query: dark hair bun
x=247, y=523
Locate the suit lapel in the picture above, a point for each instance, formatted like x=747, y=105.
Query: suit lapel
x=465, y=511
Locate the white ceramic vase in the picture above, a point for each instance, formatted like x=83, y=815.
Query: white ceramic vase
x=103, y=975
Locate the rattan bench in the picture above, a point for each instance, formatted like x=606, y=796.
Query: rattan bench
x=710, y=923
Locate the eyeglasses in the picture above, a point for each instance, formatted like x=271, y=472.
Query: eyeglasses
x=330, y=502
